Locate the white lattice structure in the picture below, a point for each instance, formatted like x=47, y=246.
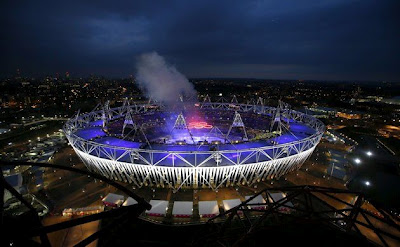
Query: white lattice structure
x=176, y=169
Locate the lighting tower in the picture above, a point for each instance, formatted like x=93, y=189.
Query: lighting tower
x=107, y=109
x=237, y=123
x=180, y=124
x=276, y=124
x=125, y=106
x=207, y=99
x=260, y=101
x=128, y=121
x=283, y=110
x=104, y=118
x=234, y=100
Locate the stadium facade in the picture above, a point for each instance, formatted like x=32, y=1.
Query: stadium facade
x=232, y=143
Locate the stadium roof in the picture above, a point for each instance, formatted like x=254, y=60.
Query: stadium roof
x=158, y=207
x=182, y=208
x=208, y=208
x=228, y=204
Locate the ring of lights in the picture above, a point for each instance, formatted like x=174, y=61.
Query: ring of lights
x=177, y=169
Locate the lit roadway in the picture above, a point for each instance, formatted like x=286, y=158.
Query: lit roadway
x=67, y=189
x=74, y=190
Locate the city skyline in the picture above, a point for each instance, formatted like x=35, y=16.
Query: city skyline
x=200, y=123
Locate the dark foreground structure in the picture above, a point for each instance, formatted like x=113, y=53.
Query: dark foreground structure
x=310, y=215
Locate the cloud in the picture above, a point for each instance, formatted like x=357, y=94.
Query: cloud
x=336, y=38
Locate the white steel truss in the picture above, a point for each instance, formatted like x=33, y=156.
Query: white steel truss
x=177, y=169
x=128, y=121
x=180, y=122
x=237, y=123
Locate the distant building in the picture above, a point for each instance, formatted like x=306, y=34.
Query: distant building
x=371, y=98
x=113, y=200
x=348, y=114
x=320, y=112
x=327, y=110
x=3, y=131
x=392, y=101
x=16, y=182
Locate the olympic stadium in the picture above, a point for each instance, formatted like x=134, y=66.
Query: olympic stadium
x=194, y=145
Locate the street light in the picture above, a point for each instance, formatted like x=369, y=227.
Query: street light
x=369, y=153
x=357, y=160
x=367, y=183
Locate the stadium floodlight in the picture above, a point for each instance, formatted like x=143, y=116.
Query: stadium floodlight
x=204, y=157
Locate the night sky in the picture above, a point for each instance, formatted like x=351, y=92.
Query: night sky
x=299, y=39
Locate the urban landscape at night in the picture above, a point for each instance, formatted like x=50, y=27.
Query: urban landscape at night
x=150, y=124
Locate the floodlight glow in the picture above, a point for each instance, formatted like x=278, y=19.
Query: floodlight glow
x=204, y=158
x=369, y=153
x=357, y=160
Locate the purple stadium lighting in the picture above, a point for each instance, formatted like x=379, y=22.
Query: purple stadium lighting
x=227, y=144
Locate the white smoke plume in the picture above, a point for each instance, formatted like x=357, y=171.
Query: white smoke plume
x=160, y=80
